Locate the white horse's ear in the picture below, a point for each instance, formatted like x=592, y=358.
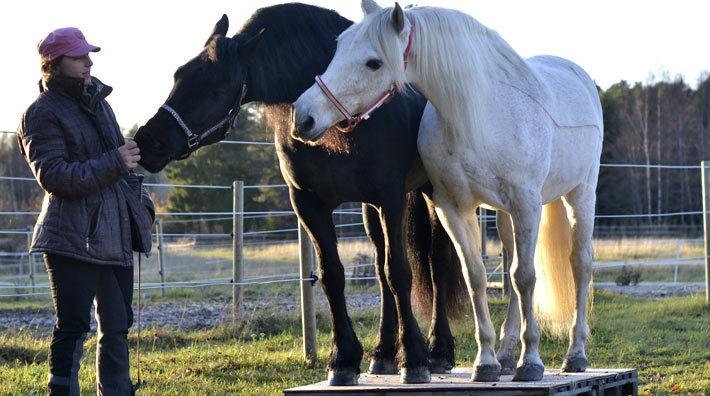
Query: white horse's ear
x=398, y=18
x=369, y=6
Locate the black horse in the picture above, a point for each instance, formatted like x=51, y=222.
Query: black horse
x=273, y=59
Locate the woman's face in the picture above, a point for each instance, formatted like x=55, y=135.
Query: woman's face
x=79, y=67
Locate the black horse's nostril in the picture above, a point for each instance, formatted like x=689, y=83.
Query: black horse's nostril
x=306, y=125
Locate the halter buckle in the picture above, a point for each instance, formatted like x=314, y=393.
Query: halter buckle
x=193, y=141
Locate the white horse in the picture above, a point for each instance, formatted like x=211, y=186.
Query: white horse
x=522, y=136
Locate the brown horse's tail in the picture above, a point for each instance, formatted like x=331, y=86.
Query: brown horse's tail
x=425, y=239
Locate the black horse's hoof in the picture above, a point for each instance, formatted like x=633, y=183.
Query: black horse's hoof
x=440, y=366
x=575, y=365
x=486, y=373
x=342, y=377
x=419, y=375
x=507, y=366
x=529, y=372
x=382, y=366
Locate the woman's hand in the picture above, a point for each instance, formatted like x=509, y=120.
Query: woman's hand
x=130, y=153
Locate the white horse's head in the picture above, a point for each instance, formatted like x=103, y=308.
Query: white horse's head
x=368, y=63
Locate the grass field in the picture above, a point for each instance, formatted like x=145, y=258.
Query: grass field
x=665, y=339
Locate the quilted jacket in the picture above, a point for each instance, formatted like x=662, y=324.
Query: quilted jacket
x=94, y=208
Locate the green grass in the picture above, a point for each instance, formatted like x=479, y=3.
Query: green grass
x=665, y=339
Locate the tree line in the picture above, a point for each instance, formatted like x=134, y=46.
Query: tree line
x=654, y=123
x=660, y=123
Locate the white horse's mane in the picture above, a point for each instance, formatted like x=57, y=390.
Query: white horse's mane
x=450, y=49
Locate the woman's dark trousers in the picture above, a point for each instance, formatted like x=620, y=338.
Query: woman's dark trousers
x=75, y=286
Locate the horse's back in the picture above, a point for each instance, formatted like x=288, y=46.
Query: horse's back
x=569, y=95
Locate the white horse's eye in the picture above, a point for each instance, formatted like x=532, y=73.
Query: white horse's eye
x=374, y=64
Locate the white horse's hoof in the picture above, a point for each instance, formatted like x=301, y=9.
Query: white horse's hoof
x=486, y=373
x=575, y=365
x=529, y=372
x=507, y=366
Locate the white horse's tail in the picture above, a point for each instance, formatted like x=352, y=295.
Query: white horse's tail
x=554, y=296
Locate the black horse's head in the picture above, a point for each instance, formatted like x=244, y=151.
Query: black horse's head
x=206, y=96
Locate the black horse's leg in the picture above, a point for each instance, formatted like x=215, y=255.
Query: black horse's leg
x=412, y=348
x=383, y=357
x=444, y=265
x=346, y=352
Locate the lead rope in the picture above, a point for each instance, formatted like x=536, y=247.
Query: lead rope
x=139, y=383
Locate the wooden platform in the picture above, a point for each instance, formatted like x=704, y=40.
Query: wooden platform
x=596, y=382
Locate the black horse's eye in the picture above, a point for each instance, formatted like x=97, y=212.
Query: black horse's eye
x=374, y=64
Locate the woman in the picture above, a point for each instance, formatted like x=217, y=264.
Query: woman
x=95, y=212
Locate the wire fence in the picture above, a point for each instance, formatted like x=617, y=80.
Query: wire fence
x=195, y=260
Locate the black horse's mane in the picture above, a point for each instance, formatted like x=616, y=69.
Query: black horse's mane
x=302, y=35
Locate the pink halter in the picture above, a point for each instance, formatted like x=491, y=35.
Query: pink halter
x=353, y=120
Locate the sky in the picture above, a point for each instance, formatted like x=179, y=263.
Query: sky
x=143, y=42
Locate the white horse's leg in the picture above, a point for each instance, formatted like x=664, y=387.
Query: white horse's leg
x=510, y=329
x=462, y=226
x=526, y=221
x=581, y=202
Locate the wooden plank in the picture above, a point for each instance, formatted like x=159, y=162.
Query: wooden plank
x=624, y=383
x=591, y=382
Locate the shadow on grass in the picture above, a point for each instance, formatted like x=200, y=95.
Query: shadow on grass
x=253, y=325
x=12, y=355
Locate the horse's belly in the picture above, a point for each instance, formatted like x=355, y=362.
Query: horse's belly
x=464, y=181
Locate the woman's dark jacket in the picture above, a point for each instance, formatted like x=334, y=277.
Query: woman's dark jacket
x=70, y=138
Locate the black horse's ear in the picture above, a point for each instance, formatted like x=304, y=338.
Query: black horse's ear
x=220, y=48
x=398, y=18
x=220, y=28
x=248, y=45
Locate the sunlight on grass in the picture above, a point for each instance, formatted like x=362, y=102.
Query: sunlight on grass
x=665, y=339
x=637, y=249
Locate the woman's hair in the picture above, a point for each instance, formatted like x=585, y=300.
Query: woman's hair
x=50, y=68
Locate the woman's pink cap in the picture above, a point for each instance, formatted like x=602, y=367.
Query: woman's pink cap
x=65, y=41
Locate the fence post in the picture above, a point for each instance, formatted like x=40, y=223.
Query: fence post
x=308, y=312
x=29, y=260
x=706, y=226
x=237, y=246
x=161, y=256
x=678, y=254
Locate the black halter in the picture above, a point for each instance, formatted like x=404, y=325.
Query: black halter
x=194, y=139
